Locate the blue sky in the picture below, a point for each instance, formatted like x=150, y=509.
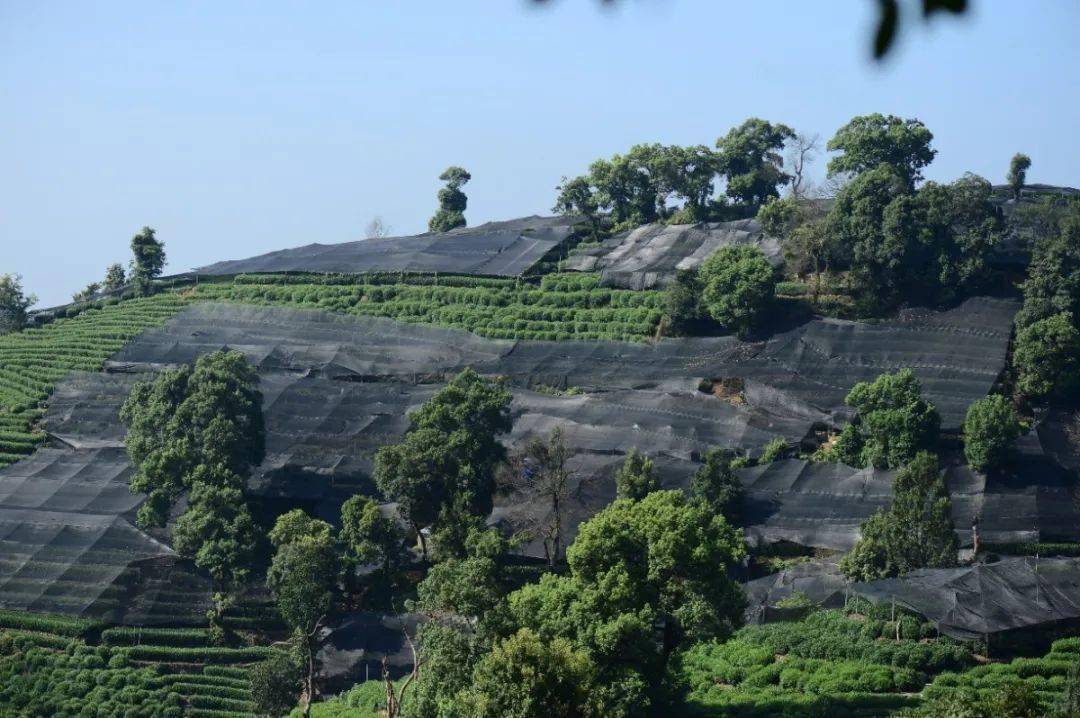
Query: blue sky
x=242, y=127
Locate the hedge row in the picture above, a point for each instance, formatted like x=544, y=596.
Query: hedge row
x=155, y=636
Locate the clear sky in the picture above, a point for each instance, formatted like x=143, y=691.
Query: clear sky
x=236, y=128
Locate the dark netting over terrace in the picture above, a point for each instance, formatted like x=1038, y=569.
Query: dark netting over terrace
x=823, y=505
x=358, y=643
x=957, y=354
x=68, y=545
x=984, y=599
x=811, y=504
x=1031, y=498
x=505, y=249
x=820, y=581
x=322, y=434
x=649, y=256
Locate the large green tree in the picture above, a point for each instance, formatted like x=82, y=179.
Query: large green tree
x=990, y=428
x=577, y=198
x=716, y=485
x=916, y=531
x=1046, y=358
x=739, y=286
x=1018, y=167
x=871, y=140
x=892, y=422
x=115, y=277
x=452, y=201
x=303, y=578
x=646, y=577
x=147, y=259
x=526, y=677
x=13, y=303
x=443, y=474
x=207, y=414
x=199, y=429
x=275, y=684
x=636, y=478
x=370, y=536
x=1053, y=282
x=750, y=158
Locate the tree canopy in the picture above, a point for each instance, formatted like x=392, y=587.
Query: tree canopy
x=871, y=140
x=13, y=303
x=443, y=473
x=739, y=286
x=452, y=201
x=750, y=158
x=916, y=531
x=199, y=429
x=147, y=259
x=1018, y=167
x=636, y=478
x=891, y=424
x=990, y=428
x=716, y=485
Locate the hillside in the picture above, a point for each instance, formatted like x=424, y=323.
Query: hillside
x=578, y=328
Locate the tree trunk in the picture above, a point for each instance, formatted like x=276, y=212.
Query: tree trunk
x=310, y=680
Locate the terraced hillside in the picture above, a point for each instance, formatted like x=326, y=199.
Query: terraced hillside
x=33, y=360
x=164, y=672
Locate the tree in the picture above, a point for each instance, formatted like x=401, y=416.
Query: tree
x=209, y=414
x=218, y=530
x=916, y=532
x=86, y=293
x=892, y=422
x=13, y=303
x=540, y=474
x=638, y=570
x=452, y=201
x=739, y=286
x=200, y=429
x=779, y=217
x=1018, y=167
x=801, y=151
x=443, y=473
x=377, y=228
x=990, y=428
x=716, y=485
x=635, y=479
x=1053, y=282
x=576, y=197
x=1046, y=357
x=371, y=537
x=148, y=259
x=854, y=225
x=690, y=175
x=303, y=578
x=114, y=278
x=296, y=524
x=526, y=677
x=682, y=301
x=871, y=140
x=749, y=156
x=467, y=587
x=275, y=684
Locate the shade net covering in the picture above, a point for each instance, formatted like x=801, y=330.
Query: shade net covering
x=357, y=644
x=957, y=354
x=336, y=388
x=811, y=504
x=504, y=249
x=322, y=434
x=823, y=505
x=984, y=599
x=649, y=256
x=68, y=544
x=820, y=581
